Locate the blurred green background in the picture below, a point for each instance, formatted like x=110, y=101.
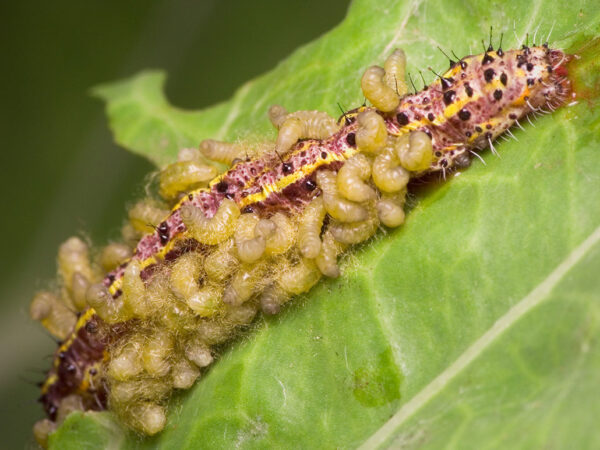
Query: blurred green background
x=61, y=172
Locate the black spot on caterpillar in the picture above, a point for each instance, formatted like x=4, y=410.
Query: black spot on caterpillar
x=266, y=230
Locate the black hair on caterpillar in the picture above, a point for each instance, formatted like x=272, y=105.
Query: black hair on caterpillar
x=199, y=263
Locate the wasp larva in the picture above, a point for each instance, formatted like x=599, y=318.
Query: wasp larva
x=223, y=152
x=183, y=176
x=337, y=207
x=372, y=133
x=377, y=91
x=214, y=230
x=352, y=177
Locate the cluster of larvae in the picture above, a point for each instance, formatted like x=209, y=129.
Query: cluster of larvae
x=165, y=328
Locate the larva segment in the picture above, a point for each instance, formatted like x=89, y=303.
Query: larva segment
x=184, y=374
x=272, y=298
x=53, y=314
x=214, y=230
x=220, y=264
x=300, y=277
x=113, y=255
x=326, y=260
x=301, y=125
x=73, y=258
x=265, y=230
x=395, y=67
x=352, y=177
x=251, y=237
x=390, y=209
x=283, y=236
x=371, y=134
x=309, y=229
x=145, y=216
x=336, y=206
x=150, y=418
x=355, y=232
x=377, y=91
x=388, y=174
x=223, y=152
x=415, y=151
x=184, y=176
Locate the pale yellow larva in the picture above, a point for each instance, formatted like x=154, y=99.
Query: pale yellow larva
x=206, y=301
x=73, y=257
x=184, y=374
x=109, y=309
x=377, y=91
x=251, y=236
x=114, y=254
x=309, y=228
x=303, y=125
x=395, y=67
x=183, y=176
x=126, y=362
x=222, y=262
x=283, y=236
x=326, y=260
x=134, y=292
x=155, y=353
x=223, y=152
x=337, y=207
x=79, y=286
x=300, y=277
x=352, y=177
x=272, y=298
x=53, y=314
x=355, y=232
x=388, y=174
x=146, y=214
x=372, y=133
x=390, y=209
x=148, y=417
x=415, y=151
x=244, y=283
x=184, y=276
x=214, y=230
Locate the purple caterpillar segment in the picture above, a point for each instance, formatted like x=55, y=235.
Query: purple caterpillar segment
x=480, y=98
x=71, y=364
x=250, y=178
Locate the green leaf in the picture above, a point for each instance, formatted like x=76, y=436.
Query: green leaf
x=475, y=325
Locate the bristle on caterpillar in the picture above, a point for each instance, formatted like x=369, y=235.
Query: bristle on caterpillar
x=264, y=231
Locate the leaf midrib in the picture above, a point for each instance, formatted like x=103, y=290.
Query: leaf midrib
x=512, y=316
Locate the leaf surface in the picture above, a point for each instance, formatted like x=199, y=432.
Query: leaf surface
x=475, y=325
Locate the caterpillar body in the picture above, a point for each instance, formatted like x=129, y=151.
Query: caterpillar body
x=265, y=230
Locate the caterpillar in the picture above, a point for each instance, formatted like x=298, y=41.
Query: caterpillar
x=195, y=266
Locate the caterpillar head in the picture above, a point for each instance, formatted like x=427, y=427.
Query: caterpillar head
x=545, y=74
